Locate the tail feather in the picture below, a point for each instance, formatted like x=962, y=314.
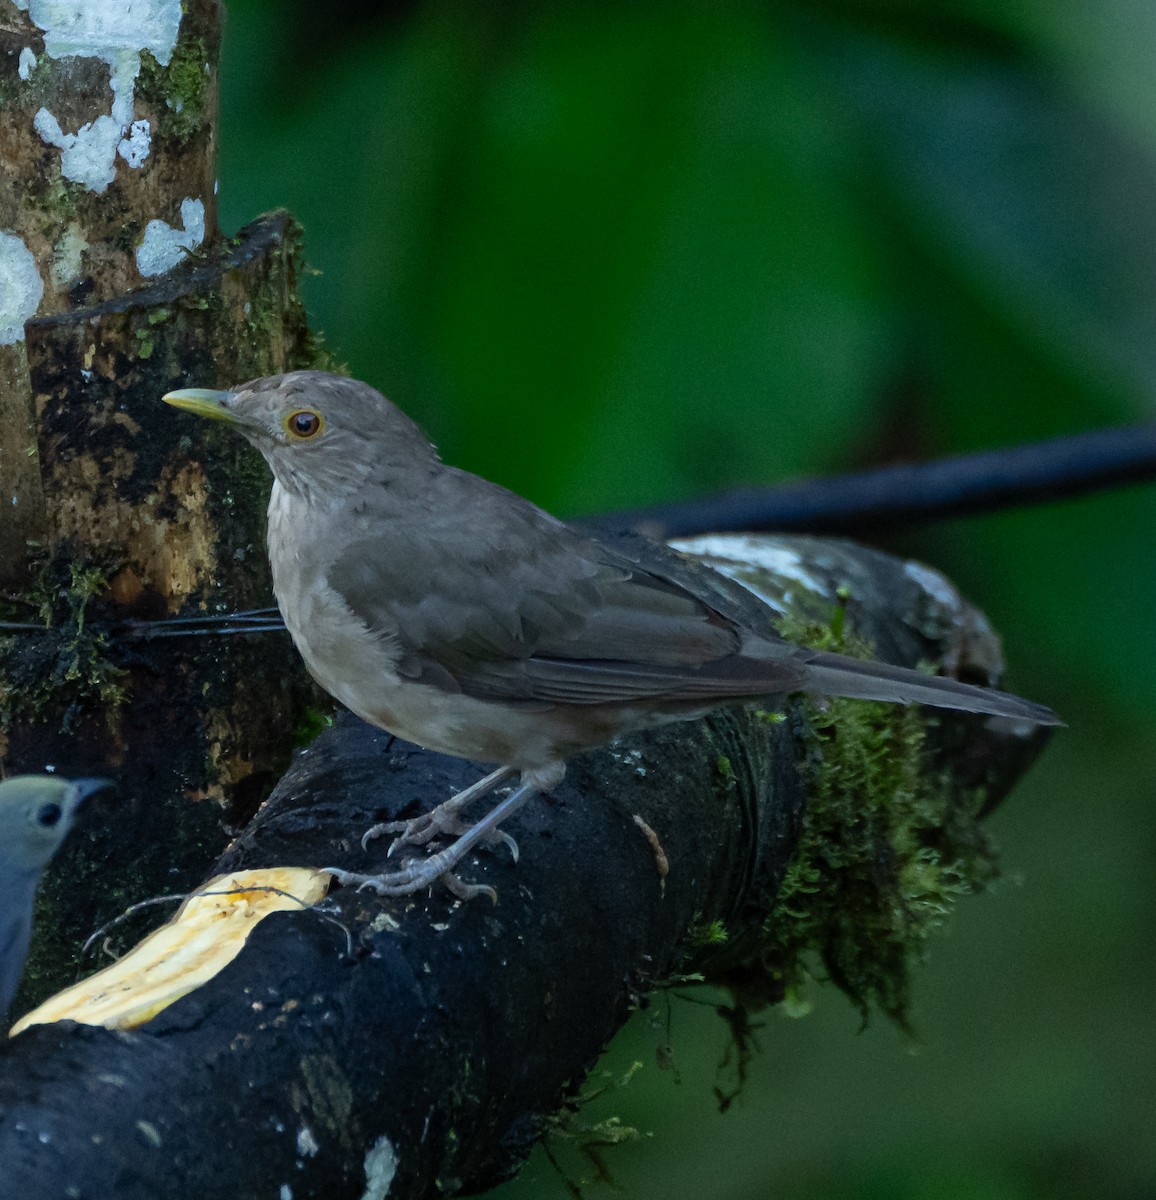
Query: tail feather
x=837, y=675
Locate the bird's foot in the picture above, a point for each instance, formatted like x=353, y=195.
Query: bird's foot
x=442, y=820
x=416, y=874
x=426, y=832
x=419, y=831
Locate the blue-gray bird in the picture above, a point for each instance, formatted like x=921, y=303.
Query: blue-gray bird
x=458, y=615
x=36, y=813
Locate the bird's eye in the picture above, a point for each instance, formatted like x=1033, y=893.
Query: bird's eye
x=48, y=815
x=303, y=423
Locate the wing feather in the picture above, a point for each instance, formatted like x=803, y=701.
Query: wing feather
x=518, y=606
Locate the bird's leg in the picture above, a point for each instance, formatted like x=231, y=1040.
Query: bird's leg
x=445, y=818
x=422, y=873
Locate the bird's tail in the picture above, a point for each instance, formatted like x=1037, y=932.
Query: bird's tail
x=838, y=675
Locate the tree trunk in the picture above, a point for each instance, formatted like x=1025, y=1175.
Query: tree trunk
x=126, y=290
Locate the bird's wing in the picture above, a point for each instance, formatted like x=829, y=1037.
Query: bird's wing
x=15, y=932
x=518, y=607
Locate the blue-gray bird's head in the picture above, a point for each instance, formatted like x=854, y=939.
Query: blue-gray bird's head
x=36, y=813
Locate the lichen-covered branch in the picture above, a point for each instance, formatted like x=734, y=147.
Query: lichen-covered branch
x=108, y=128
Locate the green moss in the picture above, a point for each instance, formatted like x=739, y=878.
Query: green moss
x=770, y=717
x=274, y=309
x=60, y=197
x=708, y=933
x=69, y=663
x=316, y=355
x=179, y=91
x=311, y=723
x=570, y=1128
x=146, y=332
x=887, y=846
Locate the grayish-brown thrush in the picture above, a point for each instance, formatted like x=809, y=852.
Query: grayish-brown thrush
x=455, y=614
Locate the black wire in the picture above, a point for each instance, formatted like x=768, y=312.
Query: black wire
x=963, y=485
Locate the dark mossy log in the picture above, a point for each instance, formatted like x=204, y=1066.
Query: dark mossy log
x=149, y=516
x=428, y=1059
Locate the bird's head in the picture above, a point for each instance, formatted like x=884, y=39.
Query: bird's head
x=323, y=435
x=36, y=813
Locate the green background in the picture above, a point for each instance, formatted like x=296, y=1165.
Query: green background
x=611, y=254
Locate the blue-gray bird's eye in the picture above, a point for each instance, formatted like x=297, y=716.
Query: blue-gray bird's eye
x=48, y=815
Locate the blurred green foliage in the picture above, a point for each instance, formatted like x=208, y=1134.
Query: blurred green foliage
x=611, y=254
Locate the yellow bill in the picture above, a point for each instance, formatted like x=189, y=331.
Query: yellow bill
x=204, y=402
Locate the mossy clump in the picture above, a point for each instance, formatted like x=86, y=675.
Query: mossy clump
x=68, y=662
x=315, y=355
x=178, y=91
x=311, y=724
x=708, y=933
x=571, y=1127
x=888, y=844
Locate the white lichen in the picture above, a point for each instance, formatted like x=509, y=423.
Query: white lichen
x=307, y=1144
x=134, y=148
x=116, y=32
x=936, y=585
x=86, y=156
x=162, y=246
x=380, y=1168
x=20, y=288
x=736, y=554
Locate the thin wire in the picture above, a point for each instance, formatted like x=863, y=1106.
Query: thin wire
x=255, y=620
x=174, y=897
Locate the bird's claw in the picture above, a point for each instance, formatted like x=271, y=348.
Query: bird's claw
x=420, y=831
x=467, y=891
x=412, y=879
x=456, y=828
x=417, y=873
x=500, y=835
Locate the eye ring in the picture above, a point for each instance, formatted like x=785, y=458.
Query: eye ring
x=48, y=815
x=303, y=424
